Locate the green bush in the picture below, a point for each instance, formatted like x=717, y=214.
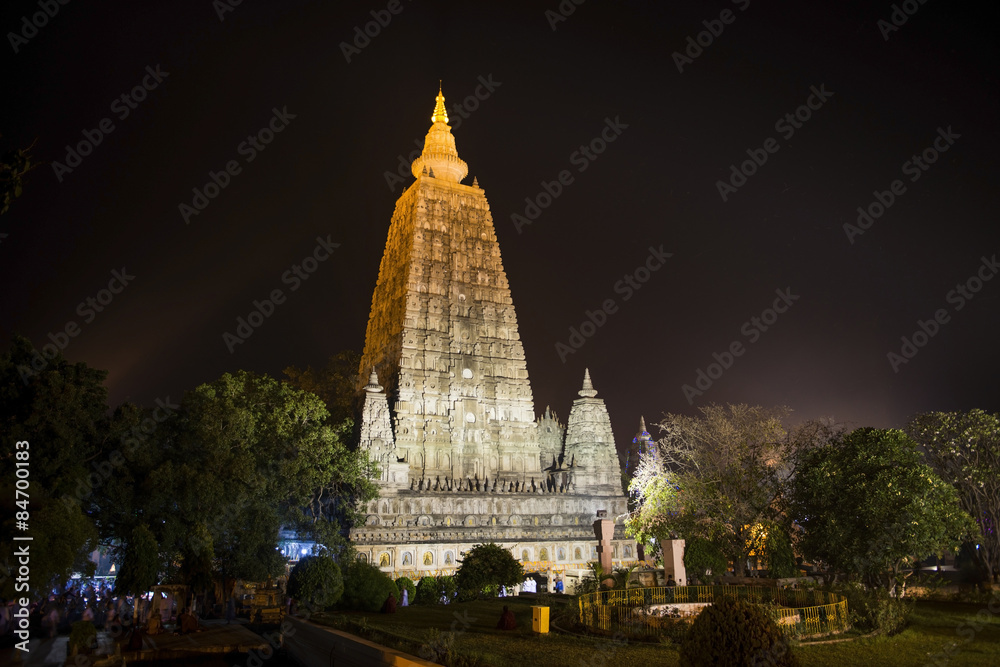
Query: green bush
x=366, y=587
x=485, y=569
x=316, y=580
x=872, y=610
x=734, y=632
x=780, y=558
x=428, y=591
x=405, y=583
x=700, y=556
x=448, y=587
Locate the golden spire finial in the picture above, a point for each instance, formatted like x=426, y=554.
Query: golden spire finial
x=440, y=114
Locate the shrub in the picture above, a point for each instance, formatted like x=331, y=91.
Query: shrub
x=734, y=632
x=366, y=587
x=317, y=580
x=448, y=587
x=405, y=583
x=872, y=610
x=428, y=591
x=485, y=569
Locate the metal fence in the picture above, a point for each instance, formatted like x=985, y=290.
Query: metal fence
x=636, y=611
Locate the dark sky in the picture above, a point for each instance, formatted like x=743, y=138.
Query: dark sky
x=552, y=92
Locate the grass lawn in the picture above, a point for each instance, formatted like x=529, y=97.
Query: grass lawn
x=939, y=633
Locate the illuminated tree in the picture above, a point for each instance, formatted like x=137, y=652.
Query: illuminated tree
x=718, y=476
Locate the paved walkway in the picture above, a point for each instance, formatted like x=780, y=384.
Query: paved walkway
x=216, y=637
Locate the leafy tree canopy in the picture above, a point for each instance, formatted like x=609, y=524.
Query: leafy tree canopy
x=964, y=449
x=868, y=504
x=59, y=409
x=485, y=568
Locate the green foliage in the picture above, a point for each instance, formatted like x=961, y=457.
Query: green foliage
x=485, y=568
x=82, y=636
x=734, y=632
x=964, y=449
x=428, y=591
x=220, y=474
x=778, y=552
x=60, y=410
x=873, y=610
x=138, y=563
x=405, y=583
x=317, y=580
x=702, y=556
x=366, y=588
x=336, y=383
x=868, y=504
x=448, y=586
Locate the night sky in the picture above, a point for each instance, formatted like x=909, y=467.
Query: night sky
x=880, y=94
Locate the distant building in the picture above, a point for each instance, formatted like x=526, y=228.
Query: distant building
x=448, y=408
x=633, y=454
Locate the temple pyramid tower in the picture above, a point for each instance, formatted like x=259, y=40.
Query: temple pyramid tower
x=448, y=410
x=443, y=335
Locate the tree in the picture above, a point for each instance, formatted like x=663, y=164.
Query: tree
x=964, y=449
x=316, y=580
x=717, y=477
x=486, y=568
x=58, y=409
x=138, y=563
x=336, y=383
x=237, y=460
x=868, y=504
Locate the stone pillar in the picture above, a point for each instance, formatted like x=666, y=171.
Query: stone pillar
x=673, y=560
x=604, y=529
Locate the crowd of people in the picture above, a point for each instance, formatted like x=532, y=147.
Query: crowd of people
x=99, y=604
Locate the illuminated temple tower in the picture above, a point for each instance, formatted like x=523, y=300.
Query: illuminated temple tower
x=448, y=409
